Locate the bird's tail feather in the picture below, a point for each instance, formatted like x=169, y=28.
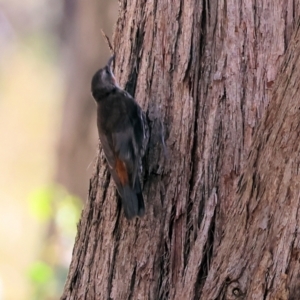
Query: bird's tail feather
x=130, y=202
x=138, y=191
x=133, y=201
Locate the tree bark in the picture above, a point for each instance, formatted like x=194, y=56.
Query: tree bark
x=222, y=208
x=259, y=253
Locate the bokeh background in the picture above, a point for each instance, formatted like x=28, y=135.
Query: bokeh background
x=49, y=50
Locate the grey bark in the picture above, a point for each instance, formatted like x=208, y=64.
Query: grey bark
x=222, y=209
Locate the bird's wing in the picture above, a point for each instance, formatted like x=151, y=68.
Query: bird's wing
x=107, y=147
x=116, y=164
x=123, y=143
x=129, y=136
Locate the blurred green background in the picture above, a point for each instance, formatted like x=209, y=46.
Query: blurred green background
x=49, y=51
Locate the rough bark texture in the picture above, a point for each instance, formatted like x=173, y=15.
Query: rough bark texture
x=259, y=253
x=221, y=210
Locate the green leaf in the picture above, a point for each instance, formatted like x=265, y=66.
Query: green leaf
x=67, y=214
x=40, y=272
x=40, y=203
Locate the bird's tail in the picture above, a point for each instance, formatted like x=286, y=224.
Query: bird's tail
x=139, y=195
x=133, y=201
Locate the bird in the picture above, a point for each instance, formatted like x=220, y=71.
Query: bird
x=124, y=133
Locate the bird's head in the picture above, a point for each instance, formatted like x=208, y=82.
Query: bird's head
x=104, y=80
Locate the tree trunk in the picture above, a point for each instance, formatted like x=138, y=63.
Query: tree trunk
x=222, y=208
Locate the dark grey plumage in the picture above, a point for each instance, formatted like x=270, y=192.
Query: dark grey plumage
x=123, y=133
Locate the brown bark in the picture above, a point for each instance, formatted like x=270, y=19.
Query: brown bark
x=207, y=69
x=260, y=248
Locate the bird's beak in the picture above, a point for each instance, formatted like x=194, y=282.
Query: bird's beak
x=110, y=61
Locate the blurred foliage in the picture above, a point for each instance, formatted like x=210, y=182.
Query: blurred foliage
x=40, y=273
x=30, y=101
x=58, y=212
x=37, y=219
x=40, y=204
x=35, y=245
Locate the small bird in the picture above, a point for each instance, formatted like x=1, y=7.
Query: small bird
x=124, y=133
